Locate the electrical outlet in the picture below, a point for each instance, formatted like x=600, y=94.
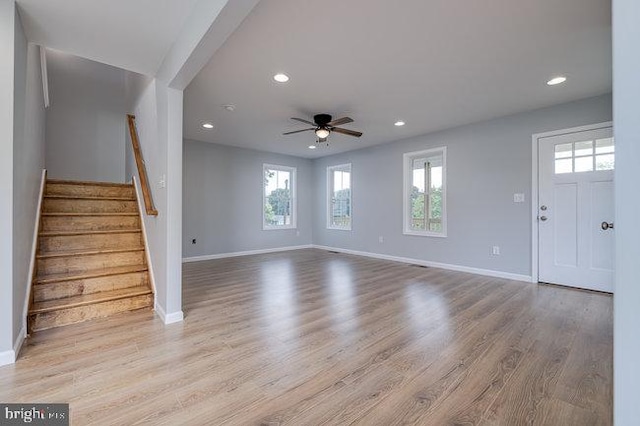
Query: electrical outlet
x=496, y=251
x=193, y=241
x=381, y=239
x=297, y=233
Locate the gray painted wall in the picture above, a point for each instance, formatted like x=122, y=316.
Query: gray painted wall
x=487, y=163
x=222, y=209
x=7, y=20
x=626, y=92
x=86, y=120
x=28, y=162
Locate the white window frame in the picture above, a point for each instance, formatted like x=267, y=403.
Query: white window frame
x=330, y=170
x=407, y=186
x=294, y=197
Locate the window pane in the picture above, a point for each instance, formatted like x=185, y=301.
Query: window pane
x=604, y=146
x=584, y=164
x=418, y=219
x=564, y=165
x=605, y=162
x=278, y=209
x=583, y=148
x=341, y=199
x=564, y=150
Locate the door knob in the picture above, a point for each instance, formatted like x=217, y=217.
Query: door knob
x=606, y=225
x=543, y=218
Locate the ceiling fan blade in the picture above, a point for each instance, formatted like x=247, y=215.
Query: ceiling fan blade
x=303, y=121
x=346, y=132
x=298, y=131
x=340, y=121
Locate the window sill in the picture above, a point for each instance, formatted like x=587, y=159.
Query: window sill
x=279, y=228
x=335, y=228
x=425, y=234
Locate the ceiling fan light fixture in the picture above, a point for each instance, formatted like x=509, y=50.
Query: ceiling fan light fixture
x=322, y=133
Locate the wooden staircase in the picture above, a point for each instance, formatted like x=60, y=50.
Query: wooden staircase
x=90, y=260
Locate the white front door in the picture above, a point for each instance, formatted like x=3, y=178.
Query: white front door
x=575, y=209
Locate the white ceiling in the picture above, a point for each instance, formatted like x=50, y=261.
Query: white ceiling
x=134, y=35
x=432, y=63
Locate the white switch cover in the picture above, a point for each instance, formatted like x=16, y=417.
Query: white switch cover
x=518, y=198
x=162, y=183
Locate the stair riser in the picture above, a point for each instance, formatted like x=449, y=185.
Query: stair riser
x=62, y=289
x=89, y=223
x=90, y=242
x=78, y=314
x=58, y=265
x=89, y=190
x=56, y=205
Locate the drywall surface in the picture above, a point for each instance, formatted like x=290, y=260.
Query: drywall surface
x=86, y=120
x=487, y=163
x=7, y=36
x=223, y=190
x=158, y=111
x=626, y=113
x=28, y=162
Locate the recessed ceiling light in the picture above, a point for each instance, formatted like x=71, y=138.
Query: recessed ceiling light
x=399, y=123
x=312, y=147
x=229, y=107
x=207, y=125
x=281, y=78
x=557, y=80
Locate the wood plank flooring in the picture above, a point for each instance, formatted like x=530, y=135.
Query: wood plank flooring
x=314, y=338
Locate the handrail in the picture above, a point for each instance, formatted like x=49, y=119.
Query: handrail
x=142, y=170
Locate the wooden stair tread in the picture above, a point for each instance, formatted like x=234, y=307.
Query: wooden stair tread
x=71, y=214
x=71, y=253
x=88, y=299
x=94, y=273
x=90, y=232
x=88, y=197
x=89, y=183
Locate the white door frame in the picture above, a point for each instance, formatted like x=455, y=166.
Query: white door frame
x=535, y=202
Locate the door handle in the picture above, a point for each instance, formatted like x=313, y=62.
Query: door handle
x=543, y=218
x=606, y=225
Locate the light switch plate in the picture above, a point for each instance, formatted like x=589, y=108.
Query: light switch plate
x=518, y=198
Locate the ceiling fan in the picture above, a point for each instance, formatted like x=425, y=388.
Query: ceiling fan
x=323, y=126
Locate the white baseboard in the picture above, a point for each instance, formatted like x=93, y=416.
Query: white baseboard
x=459, y=268
x=170, y=318
x=9, y=357
x=244, y=253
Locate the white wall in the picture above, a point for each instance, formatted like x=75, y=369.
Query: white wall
x=7, y=36
x=487, y=163
x=28, y=162
x=158, y=111
x=21, y=161
x=222, y=206
x=626, y=113
x=86, y=120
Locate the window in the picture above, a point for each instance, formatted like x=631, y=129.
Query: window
x=339, y=197
x=425, y=192
x=585, y=156
x=279, y=207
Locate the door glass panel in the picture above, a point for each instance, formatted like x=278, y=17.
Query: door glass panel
x=564, y=165
x=564, y=150
x=583, y=148
x=605, y=162
x=584, y=164
x=604, y=146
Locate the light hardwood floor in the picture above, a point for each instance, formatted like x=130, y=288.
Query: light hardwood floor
x=310, y=337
